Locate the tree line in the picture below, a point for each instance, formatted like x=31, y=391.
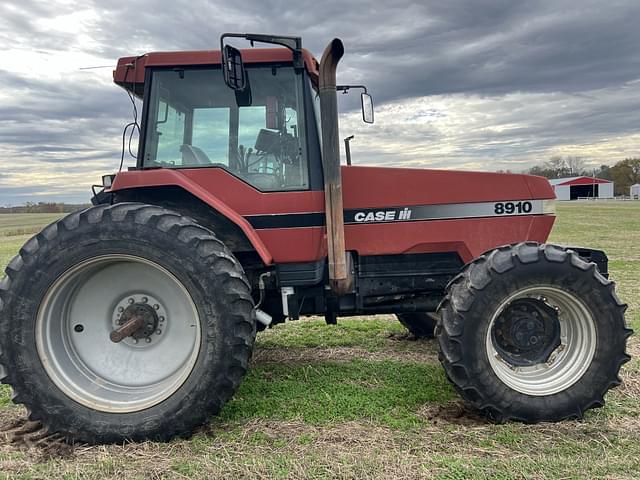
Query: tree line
x=43, y=207
x=624, y=173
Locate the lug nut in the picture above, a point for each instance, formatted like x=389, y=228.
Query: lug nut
x=161, y=319
x=135, y=341
x=158, y=332
x=131, y=300
x=120, y=309
x=148, y=340
x=156, y=307
x=145, y=299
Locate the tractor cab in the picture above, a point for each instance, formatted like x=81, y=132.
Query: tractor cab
x=265, y=132
x=191, y=119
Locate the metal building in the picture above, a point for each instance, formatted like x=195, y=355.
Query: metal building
x=634, y=191
x=573, y=188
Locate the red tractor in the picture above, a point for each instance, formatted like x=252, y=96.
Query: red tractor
x=135, y=318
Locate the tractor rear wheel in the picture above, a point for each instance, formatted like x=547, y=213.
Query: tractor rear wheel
x=532, y=333
x=421, y=325
x=124, y=322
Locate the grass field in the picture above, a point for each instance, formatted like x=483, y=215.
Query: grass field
x=363, y=400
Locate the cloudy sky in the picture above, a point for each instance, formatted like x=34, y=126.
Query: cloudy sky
x=477, y=84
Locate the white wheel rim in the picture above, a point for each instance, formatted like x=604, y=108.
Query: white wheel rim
x=567, y=364
x=133, y=374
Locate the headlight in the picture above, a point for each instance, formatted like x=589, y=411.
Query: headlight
x=107, y=180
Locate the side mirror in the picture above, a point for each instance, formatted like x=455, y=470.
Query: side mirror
x=235, y=76
x=367, y=107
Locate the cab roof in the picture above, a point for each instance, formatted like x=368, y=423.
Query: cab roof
x=130, y=71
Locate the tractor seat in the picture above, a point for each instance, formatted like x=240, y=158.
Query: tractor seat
x=193, y=156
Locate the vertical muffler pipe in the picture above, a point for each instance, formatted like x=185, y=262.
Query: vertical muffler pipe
x=339, y=273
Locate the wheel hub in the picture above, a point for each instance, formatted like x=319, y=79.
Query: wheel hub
x=149, y=309
x=148, y=316
x=527, y=332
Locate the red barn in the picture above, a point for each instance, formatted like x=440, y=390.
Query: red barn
x=573, y=188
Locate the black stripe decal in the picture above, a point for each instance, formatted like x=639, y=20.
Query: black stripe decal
x=287, y=220
x=414, y=213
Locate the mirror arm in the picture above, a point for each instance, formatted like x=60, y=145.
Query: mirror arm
x=346, y=88
x=292, y=43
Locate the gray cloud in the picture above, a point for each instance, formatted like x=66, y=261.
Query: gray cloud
x=416, y=48
x=470, y=84
x=19, y=28
x=510, y=131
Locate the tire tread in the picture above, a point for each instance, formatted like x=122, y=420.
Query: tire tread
x=211, y=252
x=458, y=303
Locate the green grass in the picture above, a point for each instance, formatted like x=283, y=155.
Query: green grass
x=610, y=226
x=387, y=392
x=349, y=332
x=25, y=223
x=360, y=400
x=16, y=229
x=615, y=228
x=9, y=246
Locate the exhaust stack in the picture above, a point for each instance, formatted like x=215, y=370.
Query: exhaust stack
x=339, y=274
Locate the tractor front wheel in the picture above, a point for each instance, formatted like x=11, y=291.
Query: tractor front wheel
x=124, y=322
x=532, y=333
x=420, y=324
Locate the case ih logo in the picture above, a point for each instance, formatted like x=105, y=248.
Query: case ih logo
x=382, y=215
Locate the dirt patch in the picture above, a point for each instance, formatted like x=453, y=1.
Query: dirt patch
x=624, y=424
x=630, y=384
x=404, y=337
x=19, y=433
x=339, y=354
x=633, y=346
x=359, y=449
x=452, y=413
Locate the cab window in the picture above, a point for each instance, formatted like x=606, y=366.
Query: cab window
x=194, y=121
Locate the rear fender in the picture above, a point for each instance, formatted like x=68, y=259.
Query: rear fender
x=590, y=255
x=127, y=184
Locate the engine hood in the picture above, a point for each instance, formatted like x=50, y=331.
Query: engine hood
x=379, y=187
